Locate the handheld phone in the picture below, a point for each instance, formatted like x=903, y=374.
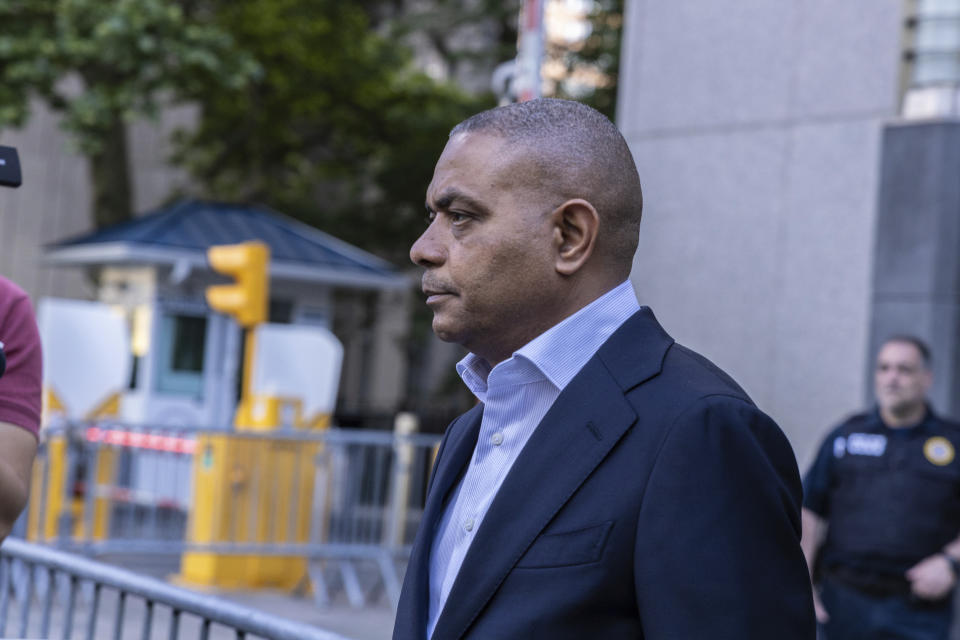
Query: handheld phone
x=9, y=167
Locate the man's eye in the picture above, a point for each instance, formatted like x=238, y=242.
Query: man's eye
x=458, y=218
x=431, y=216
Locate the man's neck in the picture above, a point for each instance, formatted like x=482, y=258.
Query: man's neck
x=572, y=306
x=909, y=417
x=574, y=300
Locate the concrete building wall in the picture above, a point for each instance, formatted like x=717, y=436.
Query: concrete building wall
x=916, y=278
x=756, y=128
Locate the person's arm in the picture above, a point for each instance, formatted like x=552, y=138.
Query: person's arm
x=933, y=577
x=20, y=395
x=16, y=461
x=813, y=529
x=717, y=551
x=816, y=509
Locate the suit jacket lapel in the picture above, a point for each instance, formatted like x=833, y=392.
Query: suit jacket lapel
x=411, y=621
x=578, y=431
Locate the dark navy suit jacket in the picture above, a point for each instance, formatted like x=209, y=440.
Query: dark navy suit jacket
x=653, y=501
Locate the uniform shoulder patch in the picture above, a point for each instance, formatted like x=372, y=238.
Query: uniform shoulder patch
x=939, y=451
x=839, y=446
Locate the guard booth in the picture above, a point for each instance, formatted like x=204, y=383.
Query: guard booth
x=186, y=359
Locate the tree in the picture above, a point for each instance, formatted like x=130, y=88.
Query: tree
x=597, y=59
x=102, y=64
x=340, y=130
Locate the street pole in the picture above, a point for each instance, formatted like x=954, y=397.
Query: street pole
x=530, y=54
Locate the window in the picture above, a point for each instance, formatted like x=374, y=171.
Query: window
x=930, y=74
x=280, y=311
x=180, y=354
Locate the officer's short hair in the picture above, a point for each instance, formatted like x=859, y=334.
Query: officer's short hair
x=920, y=345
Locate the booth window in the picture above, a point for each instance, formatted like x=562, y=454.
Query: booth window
x=182, y=343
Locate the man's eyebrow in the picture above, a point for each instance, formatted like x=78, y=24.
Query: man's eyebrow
x=450, y=196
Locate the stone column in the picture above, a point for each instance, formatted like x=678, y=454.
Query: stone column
x=916, y=276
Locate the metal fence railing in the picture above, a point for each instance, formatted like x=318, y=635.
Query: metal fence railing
x=348, y=501
x=70, y=592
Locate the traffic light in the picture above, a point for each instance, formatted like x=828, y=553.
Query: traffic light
x=246, y=299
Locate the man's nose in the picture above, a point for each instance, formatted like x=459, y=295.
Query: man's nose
x=428, y=251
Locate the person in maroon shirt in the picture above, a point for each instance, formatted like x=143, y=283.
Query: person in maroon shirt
x=20, y=398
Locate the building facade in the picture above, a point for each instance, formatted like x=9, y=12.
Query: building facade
x=758, y=128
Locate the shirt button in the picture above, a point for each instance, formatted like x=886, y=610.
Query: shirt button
x=468, y=525
x=496, y=439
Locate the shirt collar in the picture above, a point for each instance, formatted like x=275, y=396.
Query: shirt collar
x=561, y=351
x=928, y=423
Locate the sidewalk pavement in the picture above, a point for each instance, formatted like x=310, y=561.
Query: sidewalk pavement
x=373, y=622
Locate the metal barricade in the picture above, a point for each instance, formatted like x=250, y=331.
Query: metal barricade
x=106, y=481
x=368, y=506
x=41, y=572
x=109, y=488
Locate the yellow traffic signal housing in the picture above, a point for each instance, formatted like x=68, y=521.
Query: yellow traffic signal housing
x=246, y=299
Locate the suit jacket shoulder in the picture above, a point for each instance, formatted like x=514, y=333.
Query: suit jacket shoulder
x=652, y=488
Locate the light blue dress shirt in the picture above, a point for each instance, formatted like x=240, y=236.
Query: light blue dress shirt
x=516, y=393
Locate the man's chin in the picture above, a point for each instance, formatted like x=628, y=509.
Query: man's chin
x=444, y=331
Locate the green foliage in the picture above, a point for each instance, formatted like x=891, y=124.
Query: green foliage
x=339, y=131
x=304, y=105
x=599, y=55
x=97, y=60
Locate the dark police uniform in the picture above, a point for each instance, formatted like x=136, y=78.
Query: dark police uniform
x=891, y=497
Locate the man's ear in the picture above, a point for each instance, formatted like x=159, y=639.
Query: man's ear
x=576, y=224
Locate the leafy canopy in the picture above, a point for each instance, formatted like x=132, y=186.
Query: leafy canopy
x=340, y=130
x=98, y=61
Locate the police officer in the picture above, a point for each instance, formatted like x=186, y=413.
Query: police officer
x=885, y=489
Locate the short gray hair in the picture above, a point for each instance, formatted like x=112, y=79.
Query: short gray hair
x=581, y=154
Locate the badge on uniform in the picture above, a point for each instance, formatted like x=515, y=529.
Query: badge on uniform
x=938, y=450
x=866, y=444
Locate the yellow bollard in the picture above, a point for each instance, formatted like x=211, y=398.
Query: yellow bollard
x=283, y=500
x=220, y=465
x=251, y=490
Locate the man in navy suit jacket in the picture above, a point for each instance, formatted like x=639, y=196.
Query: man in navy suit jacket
x=611, y=483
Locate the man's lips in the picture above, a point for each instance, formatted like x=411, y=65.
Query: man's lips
x=436, y=295
x=435, y=291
